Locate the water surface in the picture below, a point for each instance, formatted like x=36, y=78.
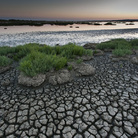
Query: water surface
x=52, y=35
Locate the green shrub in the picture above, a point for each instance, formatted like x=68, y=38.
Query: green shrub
x=22, y=51
x=95, y=52
x=79, y=61
x=122, y=52
x=88, y=52
x=6, y=50
x=71, y=50
x=36, y=62
x=134, y=42
x=47, y=50
x=68, y=51
x=58, y=50
x=41, y=58
x=123, y=45
x=59, y=62
x=4, y=61
x=135, y=47
x=70, y=67
x=113, y=44
x=106, y=45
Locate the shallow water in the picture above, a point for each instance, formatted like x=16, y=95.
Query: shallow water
x=52, y=35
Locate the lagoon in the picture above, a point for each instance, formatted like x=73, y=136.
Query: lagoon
x=53, y=35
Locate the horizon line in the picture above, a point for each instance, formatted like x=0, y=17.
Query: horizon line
x=38, y=19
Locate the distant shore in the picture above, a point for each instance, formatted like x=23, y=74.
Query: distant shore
x=13, y=22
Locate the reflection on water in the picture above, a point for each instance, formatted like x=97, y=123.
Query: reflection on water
x=52, y=35
x=75, y=27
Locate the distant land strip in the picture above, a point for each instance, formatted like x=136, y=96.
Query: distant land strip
x=14, y=22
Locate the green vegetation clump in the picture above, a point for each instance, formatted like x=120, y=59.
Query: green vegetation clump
x=120, y=47
x=79, y=61
x=95, y=52
x=69, y=51
x=134, y=42
x=4, y=61
x=70, y=67
x=6, y=50
x=113, y=44
x=37, y=62
x=36, y=58
x=59, y=62
x=22, y=51
x=122, y=52
x=42, y=59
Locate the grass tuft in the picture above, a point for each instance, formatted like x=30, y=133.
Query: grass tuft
x=122, y=52
x=70, y=67
x=79, y=61
x=6, y=50
x=113, y=44
x=4, y=61
x=37, y=62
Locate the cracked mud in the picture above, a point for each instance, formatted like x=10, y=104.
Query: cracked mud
x=99, y=106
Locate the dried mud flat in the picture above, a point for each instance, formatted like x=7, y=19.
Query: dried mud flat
x=99, y=106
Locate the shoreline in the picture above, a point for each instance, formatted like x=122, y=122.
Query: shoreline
x=15, y=22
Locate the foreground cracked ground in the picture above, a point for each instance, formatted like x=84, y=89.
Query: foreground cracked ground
x=99, y=106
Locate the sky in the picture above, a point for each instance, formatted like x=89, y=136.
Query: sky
x=69, y=9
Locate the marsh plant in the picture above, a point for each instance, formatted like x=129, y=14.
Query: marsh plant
x=122, y=52
x=37, y=62
x=79, y=61
x=70, y=67
x=69, y=51
x=6, y=50
x=113, y=44
x=4, y=61
x=35, y=58
x=120, y=47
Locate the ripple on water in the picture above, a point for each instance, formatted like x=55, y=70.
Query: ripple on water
x=61, y=38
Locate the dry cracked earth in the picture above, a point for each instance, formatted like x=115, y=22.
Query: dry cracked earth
x=101, y=106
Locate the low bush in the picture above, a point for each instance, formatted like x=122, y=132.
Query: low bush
x=37, y=58
x=135, y=47
x=113, y=44
x=69, y=51
x=106, y=45
x=72, y=50
x=22, y=51
x=134, y=42
x=59, y=62
x=79, y=61
x=4, y=61
x=47, y=50
x=123, y=45
x=122, y=52
x=36, y=62
x=70, y=67
x=95, y=52
x=6, y=50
